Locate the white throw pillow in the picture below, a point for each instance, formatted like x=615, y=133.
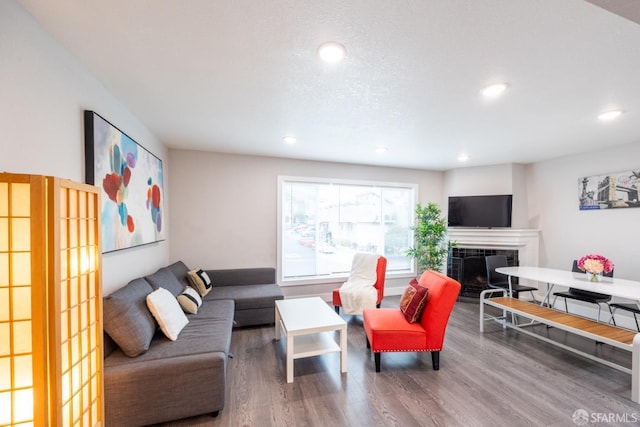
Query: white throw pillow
x=190, y=300
x=167, y=312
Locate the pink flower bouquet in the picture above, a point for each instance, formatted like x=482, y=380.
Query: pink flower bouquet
x=595, y=264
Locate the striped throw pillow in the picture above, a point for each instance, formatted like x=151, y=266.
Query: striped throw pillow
x=200, y=281
x=190, y=300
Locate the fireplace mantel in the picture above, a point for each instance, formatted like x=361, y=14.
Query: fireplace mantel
x=525, y=241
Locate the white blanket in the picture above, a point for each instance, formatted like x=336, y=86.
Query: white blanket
x=358, y=293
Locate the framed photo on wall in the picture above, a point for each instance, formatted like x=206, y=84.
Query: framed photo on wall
x=610, y=191
x=130, y=179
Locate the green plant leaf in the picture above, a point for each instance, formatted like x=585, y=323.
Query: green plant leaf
x=431, y=244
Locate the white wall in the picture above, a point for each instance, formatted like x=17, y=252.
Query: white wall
x=488, y=180
x=568, y=233
x=479, y=180
x=43, y=92
x=224, y=206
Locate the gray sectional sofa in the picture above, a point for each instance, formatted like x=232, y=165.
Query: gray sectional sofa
x=150, y=379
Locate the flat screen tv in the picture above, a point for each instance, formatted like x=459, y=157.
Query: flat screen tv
x=480, y=211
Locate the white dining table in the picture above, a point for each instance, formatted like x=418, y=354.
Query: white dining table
x=621, y=288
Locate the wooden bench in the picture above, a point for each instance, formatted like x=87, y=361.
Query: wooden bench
x=615, y=336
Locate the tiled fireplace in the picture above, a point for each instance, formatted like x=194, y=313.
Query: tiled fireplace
x=467, y=264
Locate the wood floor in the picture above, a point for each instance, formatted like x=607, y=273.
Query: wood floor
x=500, y=378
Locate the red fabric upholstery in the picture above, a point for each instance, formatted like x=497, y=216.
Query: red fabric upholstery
x=381, y=270
x=388, y=330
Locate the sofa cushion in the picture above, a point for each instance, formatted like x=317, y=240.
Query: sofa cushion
x=164, y=278
x=208, y=331
x=388, y=330
x=200, y=281
x=190, y=300
x=243, y=276
x=247, y=297
x=163, y=390
x=413, y=301
x=167, y=312
x=127, y=320
x=180, y=270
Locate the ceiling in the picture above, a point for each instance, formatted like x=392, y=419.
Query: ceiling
x=236, y=76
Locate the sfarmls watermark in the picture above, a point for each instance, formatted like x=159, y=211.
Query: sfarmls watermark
x=581, y=417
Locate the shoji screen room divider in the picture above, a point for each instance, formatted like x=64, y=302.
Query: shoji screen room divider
x=50, y=302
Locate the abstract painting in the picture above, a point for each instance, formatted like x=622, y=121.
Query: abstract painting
x=130, y=179
x=614, y=190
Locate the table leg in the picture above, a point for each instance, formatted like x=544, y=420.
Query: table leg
x=343, y=350
x=635, y=369
x=547, y=295
x=289, y=358
x=513, y=316
x=277, y=324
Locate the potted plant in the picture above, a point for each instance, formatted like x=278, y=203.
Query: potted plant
x=431, y=244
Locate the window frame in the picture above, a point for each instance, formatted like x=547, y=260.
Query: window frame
x=335, y=278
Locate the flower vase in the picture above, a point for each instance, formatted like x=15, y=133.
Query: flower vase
x=593, y=277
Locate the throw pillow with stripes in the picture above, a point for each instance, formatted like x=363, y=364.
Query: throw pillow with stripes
x=200, y=281
x=190, y=300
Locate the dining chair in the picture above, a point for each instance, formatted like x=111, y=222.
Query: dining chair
x=585, y=296
x=497, y=280
x=633, y=308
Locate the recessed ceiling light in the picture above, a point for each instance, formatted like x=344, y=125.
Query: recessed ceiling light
x=331, y=52
x=289, y=139
x=381, y=150
x=494, y=90
x=609, y=115
x=463, y=158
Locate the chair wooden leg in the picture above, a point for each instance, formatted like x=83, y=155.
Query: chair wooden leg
x=376, y=358
x=337, y=308
x=435, y=360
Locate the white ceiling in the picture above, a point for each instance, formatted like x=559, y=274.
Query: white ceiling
x=237, y=75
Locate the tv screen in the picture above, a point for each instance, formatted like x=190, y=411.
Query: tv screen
x=480, y=211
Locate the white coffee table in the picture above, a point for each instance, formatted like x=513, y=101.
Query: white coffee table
x=305, y=322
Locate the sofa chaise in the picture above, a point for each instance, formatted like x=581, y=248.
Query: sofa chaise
x=148, y=378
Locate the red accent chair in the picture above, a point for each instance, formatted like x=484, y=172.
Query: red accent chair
x=381, y=270
x=388, y=330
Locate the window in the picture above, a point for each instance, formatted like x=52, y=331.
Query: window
x=322, y=223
